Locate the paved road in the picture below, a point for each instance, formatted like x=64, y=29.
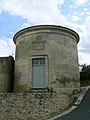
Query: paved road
x=82, y=112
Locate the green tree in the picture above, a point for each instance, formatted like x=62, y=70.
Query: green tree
x=85, y=74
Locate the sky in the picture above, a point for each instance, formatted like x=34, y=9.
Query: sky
x=18, y=14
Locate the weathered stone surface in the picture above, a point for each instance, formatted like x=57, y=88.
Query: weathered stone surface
x=58, y=45
x=32, y=106
x=6, y=73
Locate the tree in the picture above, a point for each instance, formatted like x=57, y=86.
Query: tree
x=85, y=74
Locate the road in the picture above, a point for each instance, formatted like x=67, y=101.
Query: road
x=82, y=112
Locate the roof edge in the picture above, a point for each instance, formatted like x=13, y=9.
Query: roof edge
x=36, y=27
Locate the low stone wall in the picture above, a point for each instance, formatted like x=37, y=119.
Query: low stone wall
x=6, y=74
x=32, y=105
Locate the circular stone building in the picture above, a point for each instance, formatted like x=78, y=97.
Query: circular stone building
x=46, y=57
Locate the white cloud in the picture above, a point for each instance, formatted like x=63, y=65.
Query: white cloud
x=84, y=44
x=43, y=12
x=37, y=12
x=80, y=2
x=85, y=9
x=83, y=29
x=88, y=24
x=86, y=34
x=84, y=58
x=7, y=47
x=75, y=18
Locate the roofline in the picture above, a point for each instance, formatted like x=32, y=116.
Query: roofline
x=39, y=27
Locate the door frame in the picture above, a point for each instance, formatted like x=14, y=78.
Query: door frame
x=38, y=73
x=46, y=69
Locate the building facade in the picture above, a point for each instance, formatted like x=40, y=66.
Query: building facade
x=44, y=77
x=46, y=57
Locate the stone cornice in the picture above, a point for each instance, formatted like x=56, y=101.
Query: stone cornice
x=46, y=28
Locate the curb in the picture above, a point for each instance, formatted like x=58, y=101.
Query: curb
x=84, y=90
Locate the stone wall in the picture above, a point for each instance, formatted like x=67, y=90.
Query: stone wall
x=6, y=73
x=32, y=106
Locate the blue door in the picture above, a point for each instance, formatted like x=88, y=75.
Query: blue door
x=38, y=73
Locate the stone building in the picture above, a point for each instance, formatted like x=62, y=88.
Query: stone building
x=44, y=78
x=46, y=57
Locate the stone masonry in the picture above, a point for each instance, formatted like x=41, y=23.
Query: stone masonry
x=6, y=74
x=58, y=47
x=32, y=106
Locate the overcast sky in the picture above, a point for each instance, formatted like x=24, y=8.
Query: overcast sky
x=18, y=14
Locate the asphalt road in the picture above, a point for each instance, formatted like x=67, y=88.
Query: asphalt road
x=82, y=112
